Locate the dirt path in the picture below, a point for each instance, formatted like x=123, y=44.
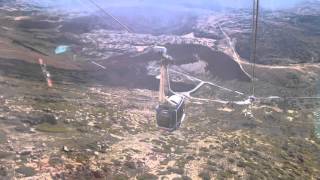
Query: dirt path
x=241, y=62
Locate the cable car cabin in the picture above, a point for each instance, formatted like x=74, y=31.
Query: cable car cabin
x=171, y=114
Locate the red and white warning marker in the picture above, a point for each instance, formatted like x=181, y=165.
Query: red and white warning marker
x=49, y=82
x=40, y=61
x=45, y=72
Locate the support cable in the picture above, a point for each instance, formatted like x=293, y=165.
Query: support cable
x=110, y=15
x=255, y=17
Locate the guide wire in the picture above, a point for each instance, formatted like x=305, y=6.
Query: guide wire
x=255, y=17
x=110, y=15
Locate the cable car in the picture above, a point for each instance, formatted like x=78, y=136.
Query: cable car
x=171, y=114
x=170, y=111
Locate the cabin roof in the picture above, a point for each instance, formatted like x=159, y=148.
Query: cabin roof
x=175, y=99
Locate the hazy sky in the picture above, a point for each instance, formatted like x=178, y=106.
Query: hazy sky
x=225, y=3
x=206, y=4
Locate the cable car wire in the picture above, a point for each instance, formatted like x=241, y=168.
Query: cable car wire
x=255, y=17
x=110, y=15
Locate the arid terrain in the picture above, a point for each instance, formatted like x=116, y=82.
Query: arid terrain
x=98, y=120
